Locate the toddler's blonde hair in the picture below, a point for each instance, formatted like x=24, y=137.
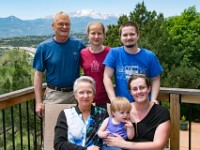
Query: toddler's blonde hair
x=120, y=104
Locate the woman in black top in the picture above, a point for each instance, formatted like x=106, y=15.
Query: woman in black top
x=151, y=121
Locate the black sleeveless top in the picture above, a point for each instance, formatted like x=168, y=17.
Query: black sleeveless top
x=145, y=129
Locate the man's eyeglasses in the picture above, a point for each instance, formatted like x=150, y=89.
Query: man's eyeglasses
x=63, y=24
x=141, y=88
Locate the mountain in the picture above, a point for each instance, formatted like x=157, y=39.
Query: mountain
x=13, y=26
x=92, y=14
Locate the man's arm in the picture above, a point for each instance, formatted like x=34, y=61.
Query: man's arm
x=155, y=88
x=38, y=97
x=107, y=80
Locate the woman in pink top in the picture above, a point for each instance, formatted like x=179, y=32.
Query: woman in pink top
x=92, y=58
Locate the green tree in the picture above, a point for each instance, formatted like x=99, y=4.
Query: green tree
x=15, y=71
x=183, y=67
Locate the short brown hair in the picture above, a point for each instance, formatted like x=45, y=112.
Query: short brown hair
x=136, y=76
x=129, y=23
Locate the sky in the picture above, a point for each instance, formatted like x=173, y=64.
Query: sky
x=33, y=9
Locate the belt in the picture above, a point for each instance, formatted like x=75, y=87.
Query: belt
x=68, y=89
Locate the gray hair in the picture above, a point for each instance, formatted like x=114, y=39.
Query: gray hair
x=60, y=13
x=85, y=79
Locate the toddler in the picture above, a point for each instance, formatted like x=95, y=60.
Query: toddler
x=119, y=123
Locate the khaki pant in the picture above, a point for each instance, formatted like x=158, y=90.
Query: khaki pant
x=58, y=97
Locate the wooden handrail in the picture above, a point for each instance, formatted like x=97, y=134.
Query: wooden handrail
x=19, y=96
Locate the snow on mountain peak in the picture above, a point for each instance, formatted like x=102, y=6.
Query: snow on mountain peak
x=90, y=13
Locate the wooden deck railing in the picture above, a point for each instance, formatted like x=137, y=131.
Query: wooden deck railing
x=175, y=96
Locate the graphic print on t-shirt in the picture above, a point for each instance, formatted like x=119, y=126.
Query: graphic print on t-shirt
x=95, y=66
x=125, y=72
x=129, y=70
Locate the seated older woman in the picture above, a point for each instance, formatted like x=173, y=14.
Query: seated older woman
x=151, y=121
x=76, y=128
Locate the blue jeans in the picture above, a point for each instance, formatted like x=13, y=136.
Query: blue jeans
x=106, y=147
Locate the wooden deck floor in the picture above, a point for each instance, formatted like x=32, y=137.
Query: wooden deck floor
x=195, y=137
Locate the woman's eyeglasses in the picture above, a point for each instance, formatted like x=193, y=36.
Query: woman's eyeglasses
x=85, y=92
x=141, y=88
